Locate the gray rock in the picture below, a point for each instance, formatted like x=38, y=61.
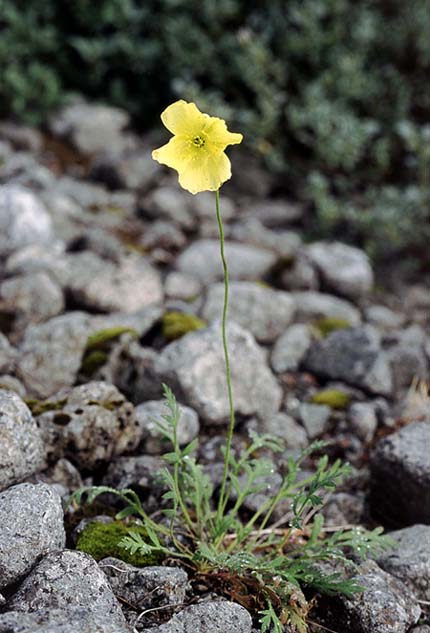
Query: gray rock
x=12, y=384
x=132, y=169
x=251, y=231
x=62, y=476
x=410, y=559
x=407, y=358
x=299, y=274
x=194, y=365
x=208, y=617
x=170, y=203
x=284, y=427
x=385, y=606
x=363, y=420
x=400, y=476
x=90, y=127
x=150, y=412
x=263, y=311
x=131, y=368
x=354, y=356
x=98, y=284
x=163, y=236
x=312, y=305
x=344, y=269
x=65, y=579
x=23, y=219
x=36, y=258
x=34, y=297
x=315, y=418
x=291, y=348
x=147, y=587
x=344, y=508
x=421, y=629
x=67, y=620
x=21, y=137
x=383, y=318
x=8, y=355
x=203, y=207
x=95, y=424
x=134, y=472
x=245, y=262
x=182, y=286
x=21, y=447
x=275, y=212
x=31, y=517
x=50, y=354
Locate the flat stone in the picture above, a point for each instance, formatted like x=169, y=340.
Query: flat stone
x=385, y=606
x=149, y=586
x=262, y=311
x=182, y=286
x=208, y=617
x=65, y=579
x=353, y=355
x=98, y=284
x=343, y=268
x=90, y=127
x=311, y=305
x=410, y=559
x=50, y=354
x=33, y=298
x=67, y=620
x=291, y=348
x=315, y=418
x=23, y=219
x=31, y=517
x=284, y=427
x=21, y=448
x=194, y=366
x=363, y=420
x=400, y=476
x=245, y=262
x=148, y=413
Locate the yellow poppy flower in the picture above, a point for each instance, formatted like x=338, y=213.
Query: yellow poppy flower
x=196, y=150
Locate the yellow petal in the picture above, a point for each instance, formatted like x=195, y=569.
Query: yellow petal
x=183, y=119
x=218, y=135
x=205, y=172
x=175, y=154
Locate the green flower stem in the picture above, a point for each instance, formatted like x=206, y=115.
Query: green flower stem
x=223, y=498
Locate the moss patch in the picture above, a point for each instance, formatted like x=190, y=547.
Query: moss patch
x=98, y=346
x=37, y=407
x=101, y=540
x=103, y=339
x=333, y=398
x=326, y=325
x=176, y=324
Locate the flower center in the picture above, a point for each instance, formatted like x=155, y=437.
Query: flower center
x=198, y=141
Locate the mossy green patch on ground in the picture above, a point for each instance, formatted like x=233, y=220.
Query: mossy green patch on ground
x=326, y=325
x=176, y=324
x=101, y=540
x=333, y=398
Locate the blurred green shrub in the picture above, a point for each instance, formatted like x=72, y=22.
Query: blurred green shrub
x=332, y=93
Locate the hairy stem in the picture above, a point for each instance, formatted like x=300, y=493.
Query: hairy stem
x=223, y=498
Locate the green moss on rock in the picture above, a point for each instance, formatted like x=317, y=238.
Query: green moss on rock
x=101, y=540
x=326, y=325
x=103, y=339
x=93, y=361
x=333, y=398
x=37, y=407
x=176, y=324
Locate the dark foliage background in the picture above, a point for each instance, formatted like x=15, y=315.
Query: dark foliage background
x=334, y=95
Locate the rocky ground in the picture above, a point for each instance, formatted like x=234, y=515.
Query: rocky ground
x=110, y=285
